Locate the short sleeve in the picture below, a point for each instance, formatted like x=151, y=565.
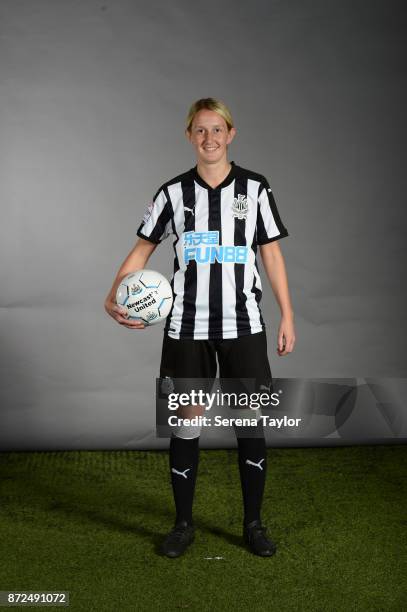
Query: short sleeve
x=156, y=225
x=269, y=224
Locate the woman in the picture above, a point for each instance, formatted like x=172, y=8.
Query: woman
x=218, y=213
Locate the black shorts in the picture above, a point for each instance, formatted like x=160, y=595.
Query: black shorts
x=243, y=357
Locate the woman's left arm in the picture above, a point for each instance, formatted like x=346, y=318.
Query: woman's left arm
x=274, y=265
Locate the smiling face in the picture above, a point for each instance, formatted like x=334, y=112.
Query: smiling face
x=210, y=136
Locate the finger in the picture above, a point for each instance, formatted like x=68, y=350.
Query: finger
x=288, y=347
x=133, y=322
x=133, y=325
x=136, y=324
x=121, y=311
x=283, y=348
x=121, y=319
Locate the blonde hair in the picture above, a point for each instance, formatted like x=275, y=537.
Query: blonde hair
x=209, y=104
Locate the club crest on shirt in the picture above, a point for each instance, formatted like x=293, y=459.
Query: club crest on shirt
x=240, y=207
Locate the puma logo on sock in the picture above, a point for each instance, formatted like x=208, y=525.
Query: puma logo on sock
x=256, y=464
x=181, y=473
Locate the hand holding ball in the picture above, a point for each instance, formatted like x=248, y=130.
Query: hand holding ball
x=146, y=295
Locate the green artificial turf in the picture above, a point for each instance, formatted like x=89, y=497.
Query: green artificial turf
x=91, y=523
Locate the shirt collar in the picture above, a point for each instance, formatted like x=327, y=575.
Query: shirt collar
x=226, y=181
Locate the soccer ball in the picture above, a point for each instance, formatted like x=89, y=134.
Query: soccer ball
x=146, y=294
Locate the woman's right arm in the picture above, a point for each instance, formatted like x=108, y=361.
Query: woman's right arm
x=135, y=260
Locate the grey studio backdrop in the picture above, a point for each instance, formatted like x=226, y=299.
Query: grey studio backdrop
x=94, y=96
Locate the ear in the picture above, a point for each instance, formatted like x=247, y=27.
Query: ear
x=231, y=135
x=187, y=135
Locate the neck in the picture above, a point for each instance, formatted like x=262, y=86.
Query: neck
x=215, y=173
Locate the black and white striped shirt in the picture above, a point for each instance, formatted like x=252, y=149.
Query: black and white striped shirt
x=216, y=231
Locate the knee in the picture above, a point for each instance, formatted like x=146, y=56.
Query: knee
x=189, y=415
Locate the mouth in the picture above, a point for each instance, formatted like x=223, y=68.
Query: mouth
x=210, y=149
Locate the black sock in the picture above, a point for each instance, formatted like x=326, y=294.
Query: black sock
x=252, y=458
x=184, y=457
